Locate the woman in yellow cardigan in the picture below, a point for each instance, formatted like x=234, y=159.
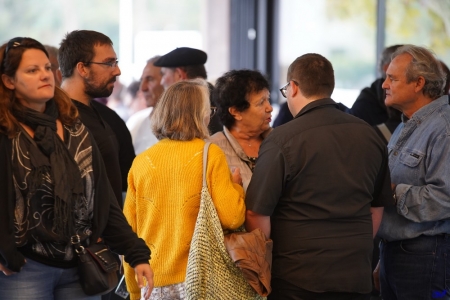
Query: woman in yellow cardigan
x=164, y=185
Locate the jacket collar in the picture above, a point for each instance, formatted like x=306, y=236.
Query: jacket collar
x=420, y=115
x=316, y=104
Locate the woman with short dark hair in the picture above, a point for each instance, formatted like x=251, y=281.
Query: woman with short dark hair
x=243, y=103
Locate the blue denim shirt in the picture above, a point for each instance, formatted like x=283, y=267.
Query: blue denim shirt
x=419, y=161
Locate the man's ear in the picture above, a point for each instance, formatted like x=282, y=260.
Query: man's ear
x=8, y=82
x=81, y=69
x=295, y=89
x=420, y=83
x=181, y=73
x=235, y=113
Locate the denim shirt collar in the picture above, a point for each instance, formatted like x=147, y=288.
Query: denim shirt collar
x=422, y=113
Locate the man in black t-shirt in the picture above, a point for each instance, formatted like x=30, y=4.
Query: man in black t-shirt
x=318, y=190
x=89, y=68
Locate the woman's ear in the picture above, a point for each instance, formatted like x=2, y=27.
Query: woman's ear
x=235, y=113
x=8, y=82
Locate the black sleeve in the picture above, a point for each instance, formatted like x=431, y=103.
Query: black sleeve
x=10, y=257
x=126, y=153
x=109, y=221
x=284, y=115
x=369, y=106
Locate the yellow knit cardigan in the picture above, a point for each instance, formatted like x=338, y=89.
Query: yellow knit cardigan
x=163, y=199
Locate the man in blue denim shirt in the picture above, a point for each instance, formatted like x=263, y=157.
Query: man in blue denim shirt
x=416, y=232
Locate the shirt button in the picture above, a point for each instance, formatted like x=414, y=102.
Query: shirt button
x=395, y=153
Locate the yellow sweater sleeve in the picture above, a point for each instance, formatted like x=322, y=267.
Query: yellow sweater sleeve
x=129, y=211
x=228, y=197
x=163, y=199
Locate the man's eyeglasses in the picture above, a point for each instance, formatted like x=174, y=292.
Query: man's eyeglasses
x=111, y=64
x=284, y=88
x=13, y=43
x=213, y=111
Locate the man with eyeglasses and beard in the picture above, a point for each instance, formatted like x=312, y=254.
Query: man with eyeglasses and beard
x=89, y=68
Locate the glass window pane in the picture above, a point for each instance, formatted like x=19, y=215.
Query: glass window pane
x=137, y=27
x=420, y=22
x=342, y=31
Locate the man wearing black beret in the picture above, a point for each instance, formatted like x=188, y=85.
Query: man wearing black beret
x=186, y=63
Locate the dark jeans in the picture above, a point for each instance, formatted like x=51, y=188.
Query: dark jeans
x=416, y=269
x=37, y=281
x=282, y=290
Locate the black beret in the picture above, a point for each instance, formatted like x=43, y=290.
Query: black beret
x=180, y=57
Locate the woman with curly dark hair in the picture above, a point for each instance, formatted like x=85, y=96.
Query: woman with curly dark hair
x=243, y=103
x=53, y=185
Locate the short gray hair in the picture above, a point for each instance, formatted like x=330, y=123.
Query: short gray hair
x=425, y=64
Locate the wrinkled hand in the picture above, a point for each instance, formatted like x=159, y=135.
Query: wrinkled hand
x=144, y=271
x=5, y=270
x=376, y=277
x=236, y=176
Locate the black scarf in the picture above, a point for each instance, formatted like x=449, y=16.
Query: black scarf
x=53, y=158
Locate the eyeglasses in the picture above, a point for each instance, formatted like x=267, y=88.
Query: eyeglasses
x=284, y=88
x=213, y=111
x=111, y=64
x=13, y=43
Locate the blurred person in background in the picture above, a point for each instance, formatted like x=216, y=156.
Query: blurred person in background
x=116, y=100
x=53, y=57
x=139, y=124
x=134, y=99
x=447, y=77
x=186, y=63
x=370, y=106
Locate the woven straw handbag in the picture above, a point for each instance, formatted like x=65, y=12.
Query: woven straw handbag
x=211, y=273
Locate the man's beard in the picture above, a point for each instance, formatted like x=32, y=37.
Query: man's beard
x=95, y=91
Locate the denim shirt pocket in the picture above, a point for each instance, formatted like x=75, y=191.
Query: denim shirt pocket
x=410, y=158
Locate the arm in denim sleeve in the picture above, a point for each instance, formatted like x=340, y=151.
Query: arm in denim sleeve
x=430, y=201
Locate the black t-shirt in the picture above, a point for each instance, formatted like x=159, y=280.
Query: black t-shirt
x=317, y=177
x=113, y=140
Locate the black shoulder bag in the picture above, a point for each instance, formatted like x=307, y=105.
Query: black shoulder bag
x=97, y=266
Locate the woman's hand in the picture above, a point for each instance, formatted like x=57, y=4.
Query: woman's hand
x=5, y=270
x=144, y=270
x=236, y=176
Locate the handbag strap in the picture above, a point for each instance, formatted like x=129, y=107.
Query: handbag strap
x=205, y=161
